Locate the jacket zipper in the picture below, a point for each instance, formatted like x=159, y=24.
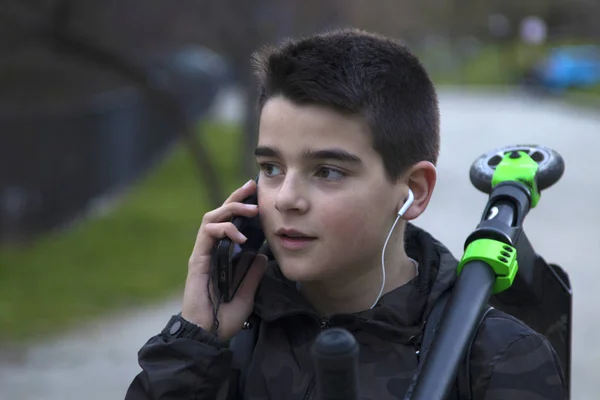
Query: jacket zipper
x=325, y=324
x=309, y=391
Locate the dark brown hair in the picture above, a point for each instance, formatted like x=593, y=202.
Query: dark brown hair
x=359, y=73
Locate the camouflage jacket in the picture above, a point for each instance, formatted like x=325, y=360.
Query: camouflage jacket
x=508, y=360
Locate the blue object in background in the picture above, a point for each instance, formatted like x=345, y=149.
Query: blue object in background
x=569, y=67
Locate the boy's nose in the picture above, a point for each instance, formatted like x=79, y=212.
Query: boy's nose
x=291, y=196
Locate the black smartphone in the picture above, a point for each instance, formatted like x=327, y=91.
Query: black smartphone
x=233, y=260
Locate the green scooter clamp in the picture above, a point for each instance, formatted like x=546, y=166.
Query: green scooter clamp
x=516, y=166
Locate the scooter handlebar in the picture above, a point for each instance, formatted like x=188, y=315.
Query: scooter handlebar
x=335, y=353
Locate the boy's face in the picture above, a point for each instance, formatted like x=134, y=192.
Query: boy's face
x=325, y=202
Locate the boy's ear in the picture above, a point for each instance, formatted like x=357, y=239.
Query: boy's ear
x=421, y=179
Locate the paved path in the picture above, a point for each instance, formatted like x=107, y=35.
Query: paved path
x=99, y=361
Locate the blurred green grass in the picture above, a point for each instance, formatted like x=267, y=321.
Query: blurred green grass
x=135, y=254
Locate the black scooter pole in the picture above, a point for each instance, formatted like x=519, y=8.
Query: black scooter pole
x=466, y=304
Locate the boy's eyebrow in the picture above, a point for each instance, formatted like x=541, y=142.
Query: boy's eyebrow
x=323, y=154
x=331, y=154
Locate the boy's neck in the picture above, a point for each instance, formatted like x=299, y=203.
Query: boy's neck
x=359, y=293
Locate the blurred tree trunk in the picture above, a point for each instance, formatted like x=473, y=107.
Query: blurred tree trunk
x=236, y=29
x=249, y=124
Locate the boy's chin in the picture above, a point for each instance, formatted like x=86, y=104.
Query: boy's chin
x=300, y=273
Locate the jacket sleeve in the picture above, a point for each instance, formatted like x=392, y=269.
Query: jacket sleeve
x=525, y=368
x=182, y=362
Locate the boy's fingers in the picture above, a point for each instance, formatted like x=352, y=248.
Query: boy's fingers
x=211, y=233
x=229, y=210
x=207, y=234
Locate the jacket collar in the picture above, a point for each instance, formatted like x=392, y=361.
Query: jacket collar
x=399, y=312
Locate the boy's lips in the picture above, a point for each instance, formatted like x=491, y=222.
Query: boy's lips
x=293, y=233
x=293, y=239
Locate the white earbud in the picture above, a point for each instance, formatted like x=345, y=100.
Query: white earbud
x=405, y=207
x=407, y=203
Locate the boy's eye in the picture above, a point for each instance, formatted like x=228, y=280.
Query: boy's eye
x=270, y=170
x=330, y=174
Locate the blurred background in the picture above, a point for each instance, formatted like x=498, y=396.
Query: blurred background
x=123, y=122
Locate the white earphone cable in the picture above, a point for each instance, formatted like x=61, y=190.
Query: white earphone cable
x=405, y=207
x=383, y=261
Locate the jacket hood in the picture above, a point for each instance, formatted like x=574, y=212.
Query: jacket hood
x=399, y=314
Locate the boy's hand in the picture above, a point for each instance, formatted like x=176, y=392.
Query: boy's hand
x=216, y=225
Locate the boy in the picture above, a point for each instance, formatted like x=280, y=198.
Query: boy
x=348, y=141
